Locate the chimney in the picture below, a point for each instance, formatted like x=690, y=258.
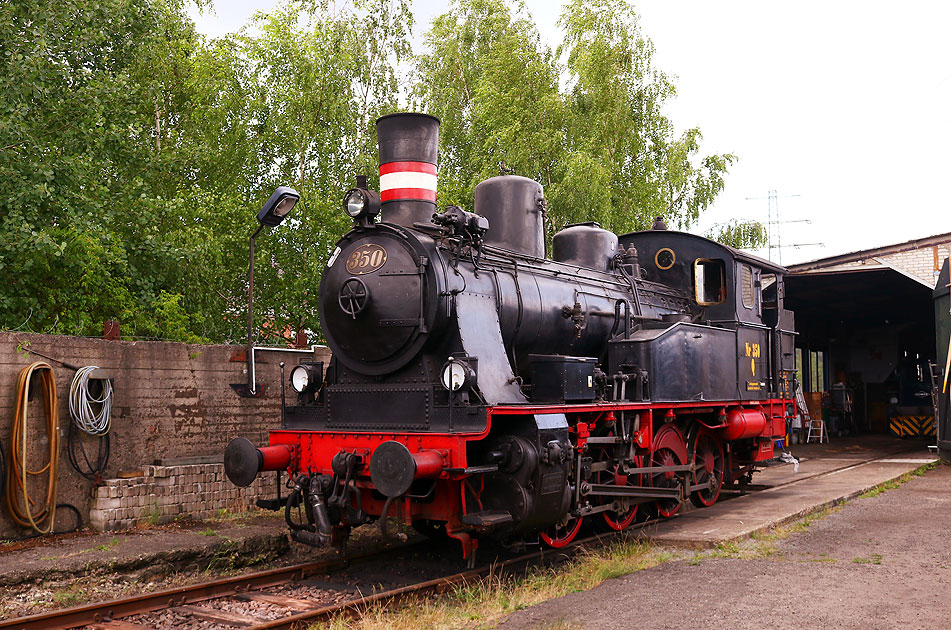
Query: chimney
x=408, y=145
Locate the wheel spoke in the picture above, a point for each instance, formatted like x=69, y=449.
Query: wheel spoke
x=707, y=454
x=669, y=449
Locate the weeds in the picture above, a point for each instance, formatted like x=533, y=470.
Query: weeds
x=109, y=546
x=71, y=596
x=875, y=558
x=481, y=603
x=895, y=483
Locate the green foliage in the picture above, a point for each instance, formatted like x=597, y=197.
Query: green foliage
x=740, y=234
x=135, y=153
x=87, y=91
x=600, y=145
x=494, y=86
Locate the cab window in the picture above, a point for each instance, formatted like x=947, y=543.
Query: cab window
x=746, y=285
x=709, y=279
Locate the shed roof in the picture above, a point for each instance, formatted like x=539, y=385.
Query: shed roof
x=869, y=254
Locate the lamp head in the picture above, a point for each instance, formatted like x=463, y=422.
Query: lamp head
x=278, y=206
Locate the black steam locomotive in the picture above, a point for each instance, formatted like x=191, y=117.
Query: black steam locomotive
x=479, y=386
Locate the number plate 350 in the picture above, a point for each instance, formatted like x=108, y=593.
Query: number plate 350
x=366, y=259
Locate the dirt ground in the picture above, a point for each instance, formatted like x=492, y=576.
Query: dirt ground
x=880, y=562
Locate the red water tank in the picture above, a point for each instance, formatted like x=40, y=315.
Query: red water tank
x=743, y=423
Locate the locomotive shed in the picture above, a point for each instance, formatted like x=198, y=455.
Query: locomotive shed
x=866, y=323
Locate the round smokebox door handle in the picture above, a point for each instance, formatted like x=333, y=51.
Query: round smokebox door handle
x=353, y=297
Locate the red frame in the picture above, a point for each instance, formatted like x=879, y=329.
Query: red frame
x=313, y=451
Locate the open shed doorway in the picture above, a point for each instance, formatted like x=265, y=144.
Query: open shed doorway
x=866, y=335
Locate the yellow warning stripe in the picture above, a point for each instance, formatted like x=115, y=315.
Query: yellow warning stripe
x=912, y=426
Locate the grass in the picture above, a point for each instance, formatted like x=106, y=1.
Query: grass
x=483, y=602
x=70, y=596
x=109, y=546
x=875, y=558
x=208, y=532
x=895, y=483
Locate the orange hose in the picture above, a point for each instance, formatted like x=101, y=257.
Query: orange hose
x=24, y=511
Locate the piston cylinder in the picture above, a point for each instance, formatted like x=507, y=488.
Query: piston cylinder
x=743, y=423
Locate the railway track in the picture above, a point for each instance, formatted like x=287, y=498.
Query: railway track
x=279, y=590
x=203, y=602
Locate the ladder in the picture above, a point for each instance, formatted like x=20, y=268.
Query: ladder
x=817, y=427
x=935, y=374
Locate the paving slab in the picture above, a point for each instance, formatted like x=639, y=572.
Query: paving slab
x=143, y=552
x=826, y=475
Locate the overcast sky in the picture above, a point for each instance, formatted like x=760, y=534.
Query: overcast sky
x=840, y=107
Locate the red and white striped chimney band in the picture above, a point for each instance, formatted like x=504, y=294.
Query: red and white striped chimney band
x=408, y=180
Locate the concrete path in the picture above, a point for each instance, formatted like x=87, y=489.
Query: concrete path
x=827, y=474
x=878, y=563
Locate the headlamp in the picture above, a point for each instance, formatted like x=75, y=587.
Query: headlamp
x=306, y=377
x=457, y=375
x=361, y=202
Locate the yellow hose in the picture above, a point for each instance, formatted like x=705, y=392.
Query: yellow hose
x=24, y=511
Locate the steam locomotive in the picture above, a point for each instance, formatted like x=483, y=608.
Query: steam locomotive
x=479, y=386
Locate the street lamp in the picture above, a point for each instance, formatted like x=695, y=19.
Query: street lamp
x=272, y=213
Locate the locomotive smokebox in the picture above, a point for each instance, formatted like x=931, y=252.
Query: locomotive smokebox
x=408, y=145
x=515, y=208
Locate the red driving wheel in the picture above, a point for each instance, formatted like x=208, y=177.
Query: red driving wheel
x=706, y=450
x=669, y=449
x=561, y=534
x=619, y=521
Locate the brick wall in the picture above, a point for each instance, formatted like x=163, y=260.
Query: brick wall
x=165, y=493
x=920, y=263
x=923, y=263
x=170, y=400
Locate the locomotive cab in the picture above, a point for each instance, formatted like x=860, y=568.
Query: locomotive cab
x=737, y=300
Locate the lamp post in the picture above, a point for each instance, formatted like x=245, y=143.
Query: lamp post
x=272, y=214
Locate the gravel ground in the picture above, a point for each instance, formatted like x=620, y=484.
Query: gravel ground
x=877, y=563
x=59, y=572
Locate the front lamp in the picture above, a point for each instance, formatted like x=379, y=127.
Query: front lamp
x=306, y=377
x=361, y=202
x=457, y=375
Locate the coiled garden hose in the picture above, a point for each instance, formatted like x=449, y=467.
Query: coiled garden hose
x=24, y=510
x=81, y=403
x=92, y=415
